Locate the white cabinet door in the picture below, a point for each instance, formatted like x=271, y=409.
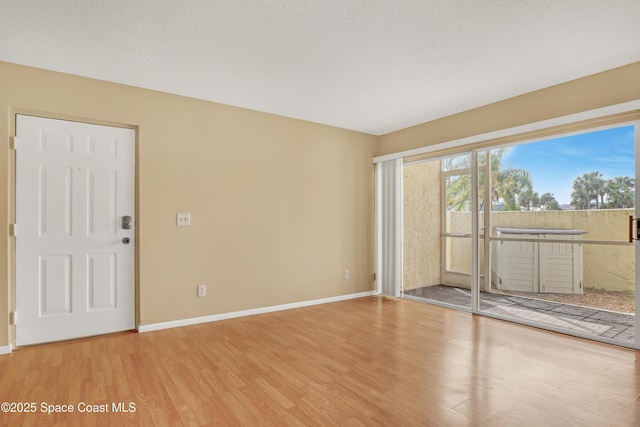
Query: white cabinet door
x=74, y=265
x=560, y=266
x=518, y=265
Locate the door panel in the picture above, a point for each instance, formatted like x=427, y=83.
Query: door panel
x=518, y=269
x=55, y=284
x=456, y=232
x=559, y=233
x=560, y=268
x=102, y=203
x=74, y=274
x=437, y=259
x=102, y=281
x=55, y=203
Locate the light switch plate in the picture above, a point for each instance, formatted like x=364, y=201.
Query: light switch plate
x=183, y=219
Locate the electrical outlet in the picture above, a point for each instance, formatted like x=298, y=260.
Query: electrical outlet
x=202, y=290
x=183, y=219
x=346, y=275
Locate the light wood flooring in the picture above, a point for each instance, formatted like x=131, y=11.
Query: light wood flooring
x=368, y=362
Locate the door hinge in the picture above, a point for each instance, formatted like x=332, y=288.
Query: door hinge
x=12, y=318
x=12, y=230
x=14, y=142
x=374, y=277
x=580, y=285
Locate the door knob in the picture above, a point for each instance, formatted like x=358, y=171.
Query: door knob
x=126, y=240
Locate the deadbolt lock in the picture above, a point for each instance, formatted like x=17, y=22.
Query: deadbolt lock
x=126, y=240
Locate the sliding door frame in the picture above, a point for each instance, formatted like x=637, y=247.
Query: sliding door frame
x=448, y=276
x=571, y=124
x=489, y=239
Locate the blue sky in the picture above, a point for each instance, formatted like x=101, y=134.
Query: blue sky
x=555, y=163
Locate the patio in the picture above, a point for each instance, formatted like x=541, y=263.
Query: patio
x=604, y=323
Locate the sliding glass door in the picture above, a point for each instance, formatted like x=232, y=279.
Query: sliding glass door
x=541, y=233
x=562, y=253
x=437, y=230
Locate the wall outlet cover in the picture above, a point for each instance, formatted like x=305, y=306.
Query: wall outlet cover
x=202, y=290
x=183, y=219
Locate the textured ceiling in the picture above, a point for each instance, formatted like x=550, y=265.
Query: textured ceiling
x=369, y=65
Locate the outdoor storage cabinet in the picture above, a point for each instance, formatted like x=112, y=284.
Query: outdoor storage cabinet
x=535, y=265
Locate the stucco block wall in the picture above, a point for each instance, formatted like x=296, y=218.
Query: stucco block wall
x=422, y=219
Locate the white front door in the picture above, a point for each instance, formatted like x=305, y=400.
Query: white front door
x=75, y=257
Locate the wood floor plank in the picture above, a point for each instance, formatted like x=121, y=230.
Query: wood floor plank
x=368, y=362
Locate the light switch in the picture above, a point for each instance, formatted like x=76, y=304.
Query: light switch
x=183, y=219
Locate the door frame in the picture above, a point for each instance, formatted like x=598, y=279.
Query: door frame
x=11, y=267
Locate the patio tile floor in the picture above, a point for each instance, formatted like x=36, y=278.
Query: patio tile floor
x=608, y=324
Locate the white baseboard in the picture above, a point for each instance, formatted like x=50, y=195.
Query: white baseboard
x=5, y=349
x=250, y=312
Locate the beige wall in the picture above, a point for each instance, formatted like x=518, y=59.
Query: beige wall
x=599, y=90
x=280, y=207
x=422, y=219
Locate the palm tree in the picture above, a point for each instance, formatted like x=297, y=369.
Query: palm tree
x=587, y=188
x=552, y=205
x=549, y=202
x=459, y=186
x=512, y=186
x=620, y=192
x=458, y=192
x=595, y=186
x=580, y=197
x=529, y=199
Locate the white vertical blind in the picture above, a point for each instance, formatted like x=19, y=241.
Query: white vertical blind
x=389, y=268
